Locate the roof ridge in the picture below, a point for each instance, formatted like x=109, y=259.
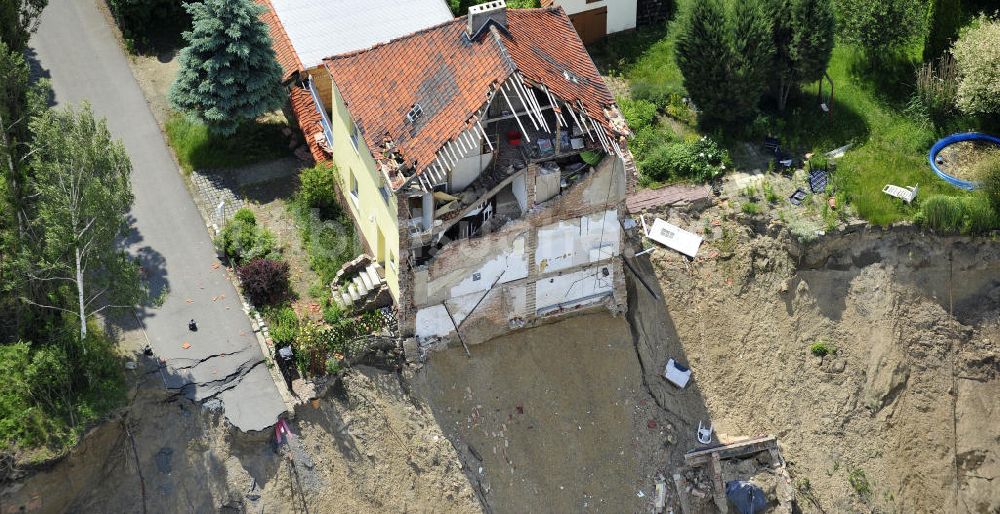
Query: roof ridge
x=505, y=57
x=392, y=41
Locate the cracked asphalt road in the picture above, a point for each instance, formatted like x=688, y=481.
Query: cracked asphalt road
x=76, y=49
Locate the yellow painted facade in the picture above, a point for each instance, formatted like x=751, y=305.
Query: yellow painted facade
x=360, y=180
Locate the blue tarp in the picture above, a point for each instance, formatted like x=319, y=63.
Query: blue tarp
x=747, y=498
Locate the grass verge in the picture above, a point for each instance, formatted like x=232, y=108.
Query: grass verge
x=197, y=148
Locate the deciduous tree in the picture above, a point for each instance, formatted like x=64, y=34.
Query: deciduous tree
x=228, y=72
x=18, y=19
x=80, y=184
x=977, y=53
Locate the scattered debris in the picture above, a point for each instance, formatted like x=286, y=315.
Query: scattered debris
x=677, y=374
x=797, y=197
x=704, y=433
x=673, y=237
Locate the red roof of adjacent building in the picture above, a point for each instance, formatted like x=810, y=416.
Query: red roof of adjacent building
x=283, y=51
x=451, y=78
x=309, y=121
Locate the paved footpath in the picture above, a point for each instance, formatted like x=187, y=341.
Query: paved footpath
x=221, y=364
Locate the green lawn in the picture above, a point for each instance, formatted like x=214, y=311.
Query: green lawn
x=890, y=147
x=197, y=148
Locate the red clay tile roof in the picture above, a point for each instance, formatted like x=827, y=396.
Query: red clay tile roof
x=309, y=121
x=451, y=78
x=543, y=43
x=283, y=51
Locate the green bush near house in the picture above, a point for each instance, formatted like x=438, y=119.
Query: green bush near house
x=327, y=232
x=461, y=7
x=242, y=240
x=283, y=324
x=700, y=159
x=198, y=149
x=638, y=113
x=318, y=189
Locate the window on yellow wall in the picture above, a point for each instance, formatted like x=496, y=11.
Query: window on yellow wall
x=392, y=260
x=384, y=190
x=354, y=186
x=355, y=135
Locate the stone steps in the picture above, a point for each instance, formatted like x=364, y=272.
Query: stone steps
x=363, y=284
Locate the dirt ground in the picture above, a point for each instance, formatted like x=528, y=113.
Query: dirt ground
x=904, y=415
x=554, y=419
x=366, y=448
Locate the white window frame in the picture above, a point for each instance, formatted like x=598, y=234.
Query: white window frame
x=355, y=137
x=354, y=185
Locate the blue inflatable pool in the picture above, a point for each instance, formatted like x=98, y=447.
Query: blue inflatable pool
x=952, y=139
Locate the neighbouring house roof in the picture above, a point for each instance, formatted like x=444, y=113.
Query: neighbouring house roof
x=309, y=120
x=452, y=78
x=283, y=51
x=315, y=29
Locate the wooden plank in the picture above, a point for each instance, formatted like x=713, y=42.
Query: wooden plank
x=728, y=451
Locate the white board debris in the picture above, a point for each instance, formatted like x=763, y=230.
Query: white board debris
x=674, y=237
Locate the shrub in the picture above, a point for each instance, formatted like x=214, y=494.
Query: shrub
x=657, y=95
x=242, y=241
x=944, y=18
x=769, y=193
x=880, y=26
x=700, y=160
x=461, y=7
x=264, y=281
x=283, y=324
x=979, y=216
x=988, y=173
x=967, y=215
x=646, y=140
x=944, y=213
x=750, y=208
x=977, y=53
x=822, y=349
x=317, y=189
x=138, y=19
x=859, y=482
x=638, y=113
x=679, y=109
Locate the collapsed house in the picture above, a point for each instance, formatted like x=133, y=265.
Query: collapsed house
x=482, y=159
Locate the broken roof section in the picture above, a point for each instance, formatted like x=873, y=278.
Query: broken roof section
x=320, y=28
x=453, y=77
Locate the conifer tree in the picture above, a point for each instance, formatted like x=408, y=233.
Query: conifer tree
x=228, y=72
x=803, y=40
x=703, y=56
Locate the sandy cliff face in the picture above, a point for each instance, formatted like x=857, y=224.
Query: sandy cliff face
x=904, y=415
